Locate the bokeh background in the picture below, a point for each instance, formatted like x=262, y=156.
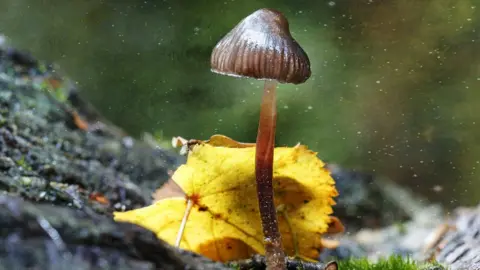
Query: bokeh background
x=394, y=89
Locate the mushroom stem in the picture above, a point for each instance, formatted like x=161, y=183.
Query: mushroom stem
x=274, y=254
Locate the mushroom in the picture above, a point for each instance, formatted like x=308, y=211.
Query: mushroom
x=261, y=47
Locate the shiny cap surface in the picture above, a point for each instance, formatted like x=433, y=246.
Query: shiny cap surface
x=261, y=47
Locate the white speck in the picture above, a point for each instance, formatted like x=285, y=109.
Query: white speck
x=309, y=107
x=331, y=3
x=377, y=81
x=285, y=107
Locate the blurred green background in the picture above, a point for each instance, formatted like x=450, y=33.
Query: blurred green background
x=394, y=87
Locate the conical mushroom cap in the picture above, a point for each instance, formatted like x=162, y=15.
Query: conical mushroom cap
x=261, y=47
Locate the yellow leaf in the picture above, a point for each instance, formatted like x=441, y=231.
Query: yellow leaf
x=224, y=223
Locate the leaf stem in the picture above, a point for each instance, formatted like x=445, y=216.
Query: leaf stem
x=282, y=209
x=184, y=223
x=274, y=254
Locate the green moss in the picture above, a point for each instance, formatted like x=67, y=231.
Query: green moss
x=392, y=263
x=59, y=93
x=22, y=163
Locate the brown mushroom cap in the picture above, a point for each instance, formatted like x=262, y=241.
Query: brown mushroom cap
x=261, y=47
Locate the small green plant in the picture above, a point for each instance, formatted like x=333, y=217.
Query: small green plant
x=391, y=263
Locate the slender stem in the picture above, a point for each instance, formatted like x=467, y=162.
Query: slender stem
x=274, y=254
